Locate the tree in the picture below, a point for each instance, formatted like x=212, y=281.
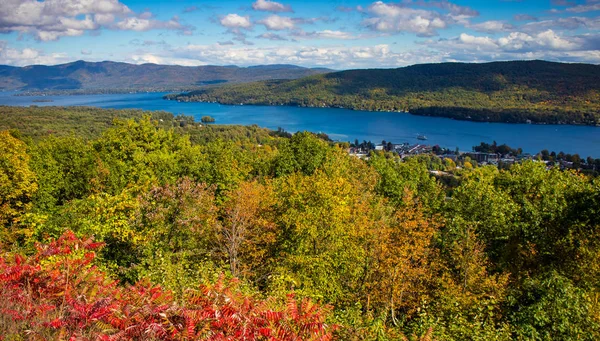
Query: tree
x=304, y=152
x=222, y=164
x=485, y=209
x=109, y=218
x=179, y=225
x=68, y=168
x=17, y=181
x=322, y=220
x=247, y=234
x=403, y=263
x=449, y=164
x=139, y=152
x=395, y=177
x=550, y=307
x=207, y=119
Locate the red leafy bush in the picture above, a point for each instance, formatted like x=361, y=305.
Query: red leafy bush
x=58, y=294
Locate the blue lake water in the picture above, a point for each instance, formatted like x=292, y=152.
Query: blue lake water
x=347, y=125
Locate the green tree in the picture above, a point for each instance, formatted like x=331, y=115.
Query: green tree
x=179, y=227
x=224, y=165
x=67, y=168
x=550, y=307
x=109, y=219
x=139, y=152
x=207, y=119
x=304, y=153
x=395, y=177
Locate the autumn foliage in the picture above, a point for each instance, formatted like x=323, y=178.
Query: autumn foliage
x=17, y=181
x=231, y=233
x=58, y=294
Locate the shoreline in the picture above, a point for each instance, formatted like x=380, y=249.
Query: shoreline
x=386, y=111
x=436, y=132
x=90, y=92
x=179, y=95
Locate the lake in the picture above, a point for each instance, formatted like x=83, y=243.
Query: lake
x=348, y=125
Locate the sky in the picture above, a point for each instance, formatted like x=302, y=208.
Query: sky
x=333, y=34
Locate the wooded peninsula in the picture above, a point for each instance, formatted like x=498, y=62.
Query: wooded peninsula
x=517, y=92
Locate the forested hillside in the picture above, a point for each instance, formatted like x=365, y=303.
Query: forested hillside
x=105, y=76
x=164, y=229
x=536, y=91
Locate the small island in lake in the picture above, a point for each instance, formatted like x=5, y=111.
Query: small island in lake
x=207, y=119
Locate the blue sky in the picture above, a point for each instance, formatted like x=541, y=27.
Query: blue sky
x=334, y=34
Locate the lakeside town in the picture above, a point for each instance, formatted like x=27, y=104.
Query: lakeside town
x=501, y=156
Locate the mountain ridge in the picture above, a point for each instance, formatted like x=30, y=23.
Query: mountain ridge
x=83, y=75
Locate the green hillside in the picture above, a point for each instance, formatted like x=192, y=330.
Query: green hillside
x=538, y=91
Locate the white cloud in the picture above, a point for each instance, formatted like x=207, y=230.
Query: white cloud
x=525, y=17
x=238, y=26
x=394, y=17
x=547, y=40
x=144, y=23
x=52, y=19
x=277, y=23
x=513, y=42
x=329, y=34
x=104, y=19
x=492, y=26
x=328, y=56
x=519, y=45
x=271, y=36
x=446, y=5
x=155, y=59
x=134, y=24
x=566, y=23
x=324, y=34
x=270, y=6
x=29, y=56
x=584, y=8
x=235, y=21
x=477, y=41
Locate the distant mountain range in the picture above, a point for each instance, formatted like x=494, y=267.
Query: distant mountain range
x=82, y=75
x=517, y=91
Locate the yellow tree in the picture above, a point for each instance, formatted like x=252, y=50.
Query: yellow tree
x=471, y=280
x=404, y=260
x=323, y=220
x=469, y=302
x=247, y=232
x=17, y=181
